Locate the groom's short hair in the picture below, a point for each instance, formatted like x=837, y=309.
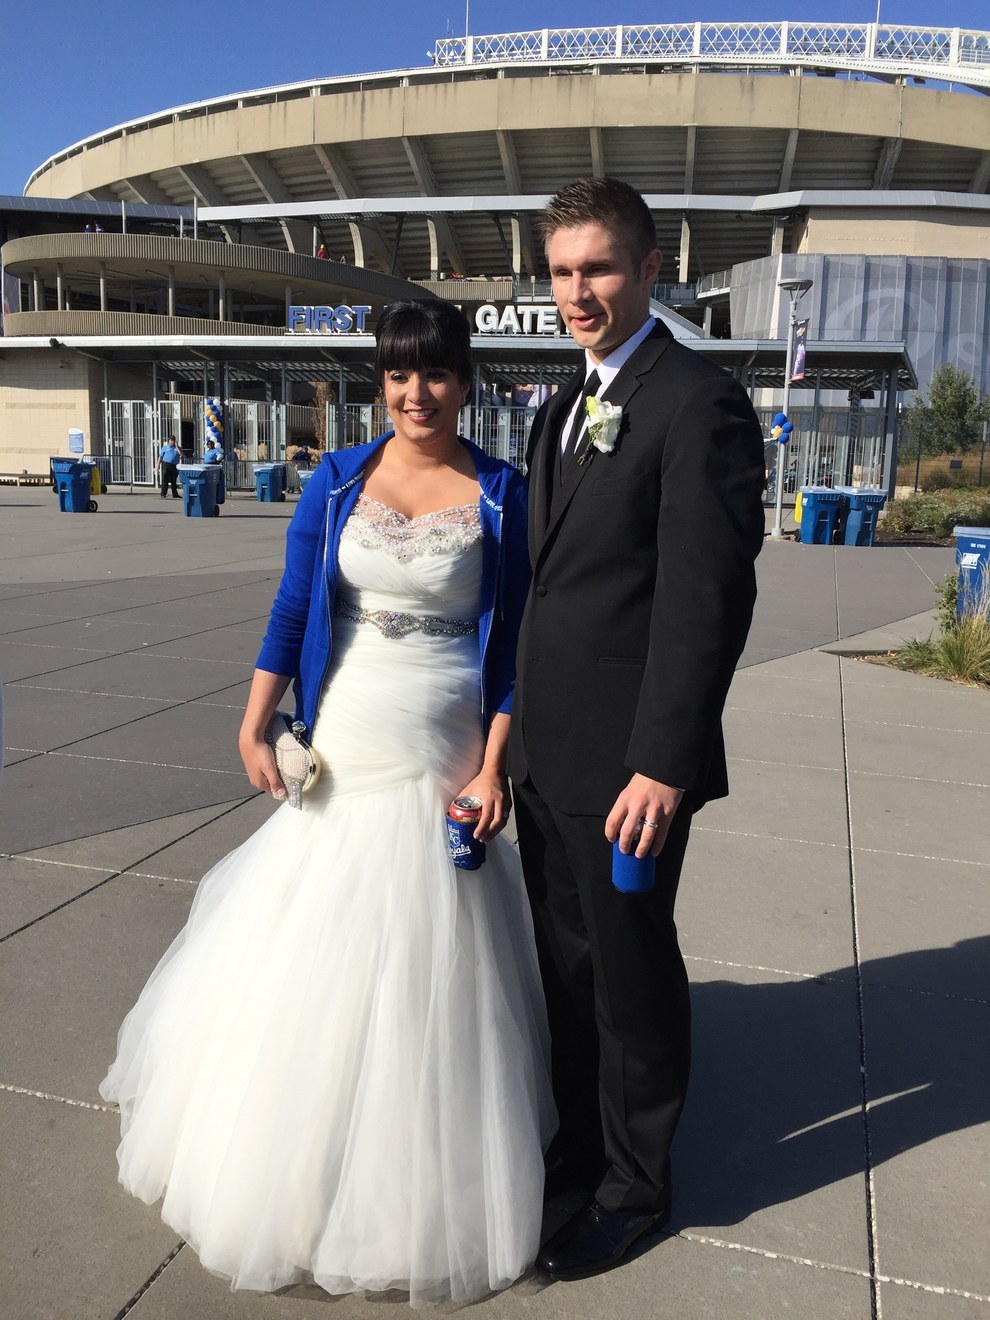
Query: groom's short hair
x=610, y=203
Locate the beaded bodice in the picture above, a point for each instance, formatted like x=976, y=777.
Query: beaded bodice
x=376, y=526
x=425, y=566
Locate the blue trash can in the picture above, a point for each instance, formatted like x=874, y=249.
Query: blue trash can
x=304, y=476
x=200, y=487
x=858, y=525
x=820, y=508
x=973, y=562
x=72, y=485
x=270, y=481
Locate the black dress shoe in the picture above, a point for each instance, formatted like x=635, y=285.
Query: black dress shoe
x=594, y=1240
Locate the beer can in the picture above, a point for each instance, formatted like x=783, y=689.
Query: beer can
x=465, y=808
x=466, y=851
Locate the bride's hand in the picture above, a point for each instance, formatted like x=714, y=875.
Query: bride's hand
x=259, y=762
x=496, y=802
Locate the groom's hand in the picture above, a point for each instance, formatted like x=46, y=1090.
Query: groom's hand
x=642, y=800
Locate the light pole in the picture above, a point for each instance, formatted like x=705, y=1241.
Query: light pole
x=795, y=289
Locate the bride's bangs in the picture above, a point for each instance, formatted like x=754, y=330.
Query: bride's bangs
x=420, y=336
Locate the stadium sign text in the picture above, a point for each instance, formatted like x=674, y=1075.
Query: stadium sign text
x=489, y=319
x=341, y=320
x=518, y=319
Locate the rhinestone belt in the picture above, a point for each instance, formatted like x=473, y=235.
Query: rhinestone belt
x=392, y=623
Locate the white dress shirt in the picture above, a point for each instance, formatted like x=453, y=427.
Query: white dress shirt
x=607, y=370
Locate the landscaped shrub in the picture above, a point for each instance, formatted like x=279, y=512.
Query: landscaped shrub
x=960, y=647
x=938, y=511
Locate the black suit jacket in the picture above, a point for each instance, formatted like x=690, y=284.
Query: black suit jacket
x=643, y=585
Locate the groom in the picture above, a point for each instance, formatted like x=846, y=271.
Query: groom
x=642, y=549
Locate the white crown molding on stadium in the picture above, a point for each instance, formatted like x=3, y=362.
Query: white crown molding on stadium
x=363, y=207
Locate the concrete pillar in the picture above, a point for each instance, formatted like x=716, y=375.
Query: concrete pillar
x=516, y=229
x=37, y=291
x=434, y=249
x=341, y=403
x=103, y=286
x=58, y=286
x=684, y=258
x=171, y=290
x=222, y=300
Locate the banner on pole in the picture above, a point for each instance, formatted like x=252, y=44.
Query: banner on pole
x=799, y=350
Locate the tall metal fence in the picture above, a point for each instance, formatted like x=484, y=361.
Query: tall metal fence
x=254, y=432
x=134, y=433
x=917, y=470
x=834, y=447
x=501, y=432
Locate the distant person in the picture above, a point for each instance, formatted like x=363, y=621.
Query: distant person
x=321, y=253
x=168, y=466
x=214, y=454
x=302, y=458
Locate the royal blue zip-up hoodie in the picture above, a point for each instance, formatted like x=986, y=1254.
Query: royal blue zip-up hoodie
x=299, y=640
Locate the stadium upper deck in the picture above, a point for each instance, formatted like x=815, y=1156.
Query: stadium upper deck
x=704, y=118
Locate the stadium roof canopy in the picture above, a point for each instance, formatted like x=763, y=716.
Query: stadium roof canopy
x=527, y=358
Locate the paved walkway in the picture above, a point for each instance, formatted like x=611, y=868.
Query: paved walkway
x=834, y=912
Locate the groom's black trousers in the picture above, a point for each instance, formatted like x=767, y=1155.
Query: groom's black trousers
x=617, y=998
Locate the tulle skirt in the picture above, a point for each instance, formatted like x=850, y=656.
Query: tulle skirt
x=339, y=1070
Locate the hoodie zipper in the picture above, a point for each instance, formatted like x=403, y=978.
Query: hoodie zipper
x=495, y=605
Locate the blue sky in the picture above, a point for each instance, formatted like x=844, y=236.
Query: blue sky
x=72, y=69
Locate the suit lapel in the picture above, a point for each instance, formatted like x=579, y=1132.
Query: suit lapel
x=623, y=387
x=542, y=466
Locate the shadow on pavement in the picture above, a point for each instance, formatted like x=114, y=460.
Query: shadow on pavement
x=774, y=1111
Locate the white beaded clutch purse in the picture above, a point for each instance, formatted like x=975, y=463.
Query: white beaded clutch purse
x=298, y=764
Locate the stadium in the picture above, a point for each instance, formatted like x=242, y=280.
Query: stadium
x=239, y=249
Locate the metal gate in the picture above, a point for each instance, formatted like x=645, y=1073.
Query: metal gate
x=252, y=430
x=501, y=432
x=838, y=447
x=135, y=431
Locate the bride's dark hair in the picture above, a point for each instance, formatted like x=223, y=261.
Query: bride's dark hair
x=414, y=335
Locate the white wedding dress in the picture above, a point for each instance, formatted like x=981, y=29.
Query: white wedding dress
x=339, y=1070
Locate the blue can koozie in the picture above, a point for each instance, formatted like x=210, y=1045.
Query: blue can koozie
x=466, y=851
x=632, y=874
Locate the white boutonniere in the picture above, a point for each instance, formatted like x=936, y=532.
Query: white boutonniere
x=604, y=420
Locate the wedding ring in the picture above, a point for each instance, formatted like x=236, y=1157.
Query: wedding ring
x=651, y=823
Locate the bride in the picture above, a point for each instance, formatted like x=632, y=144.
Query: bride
x=339, y=1070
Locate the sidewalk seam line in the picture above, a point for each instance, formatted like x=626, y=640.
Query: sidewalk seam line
x=798, y=765
x=59, y=1099
x=872, y=1243
x=826, y=978
x=824, y=843
x=940, y=1290
x=149, y=1282
x=116, y=875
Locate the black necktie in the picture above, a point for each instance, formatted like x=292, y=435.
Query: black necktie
x=570, y=454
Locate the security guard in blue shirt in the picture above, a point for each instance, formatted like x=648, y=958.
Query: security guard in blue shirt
x=168, y=466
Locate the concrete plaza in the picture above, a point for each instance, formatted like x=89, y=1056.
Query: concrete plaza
x=832, y=1161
